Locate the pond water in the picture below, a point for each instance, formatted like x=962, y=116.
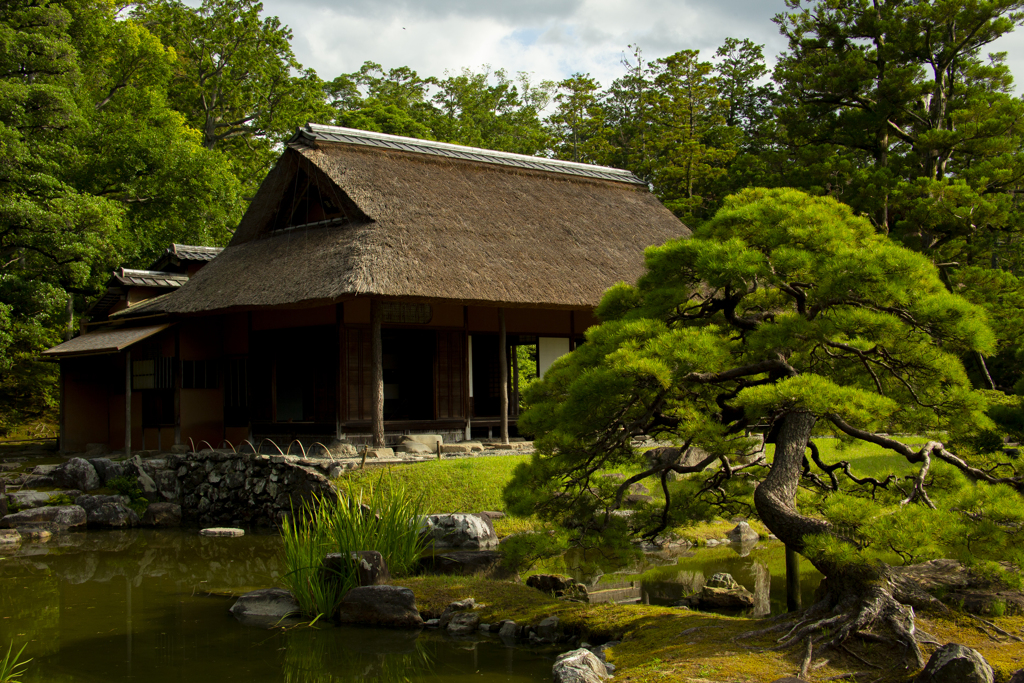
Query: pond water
x=152, y=606
x=664, y=578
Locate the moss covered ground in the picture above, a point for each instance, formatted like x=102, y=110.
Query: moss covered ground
x=664, y=643
x=669, y=644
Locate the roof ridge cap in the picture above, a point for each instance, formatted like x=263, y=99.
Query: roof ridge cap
x=311, y=130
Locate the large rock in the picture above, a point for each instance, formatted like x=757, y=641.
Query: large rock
x=162, y=515
x=107, y=469
x=414, y=447
x=954, y=663
x=459, y=531
x=77, y=473
x=463, y=624
x=1017, y=677
x=371, y=569
x=579, y=666
x=392, y=606
x=53, y=518
x=429, y=440
x=25, y=500
x=108, y=512
x=136, y=469
x=559, y=586
x=267, y=605
x=9, y=538
x=743, y=533
x=722, y=592
x=462, y=562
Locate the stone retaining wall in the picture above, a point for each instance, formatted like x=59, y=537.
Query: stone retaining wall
x=242, y=489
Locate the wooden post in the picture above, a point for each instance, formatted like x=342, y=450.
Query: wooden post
x=515, y=381
x=503, y=362
x=177, y=387
x=793, y=602
x=62, y=444
x=377, y=372
x=127, y=404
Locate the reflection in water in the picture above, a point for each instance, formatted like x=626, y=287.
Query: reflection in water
x=151, y=606
x=664, y=578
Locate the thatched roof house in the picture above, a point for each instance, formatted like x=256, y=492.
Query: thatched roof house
x=354, y=213
x=462, y=252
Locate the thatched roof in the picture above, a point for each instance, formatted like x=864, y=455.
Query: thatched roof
x=429, y=221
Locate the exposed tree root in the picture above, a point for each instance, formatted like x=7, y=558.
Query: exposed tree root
x=986, y=623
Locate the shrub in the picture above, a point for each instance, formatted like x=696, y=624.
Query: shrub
x=127, y=485
x=380, y=517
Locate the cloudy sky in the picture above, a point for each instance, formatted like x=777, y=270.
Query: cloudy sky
x=550, y=39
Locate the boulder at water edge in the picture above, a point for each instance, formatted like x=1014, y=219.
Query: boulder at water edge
x=743, y=533
x=162, y=515
x=76, y=473
x=267, y=605
x=371, y=569
x=459, y=531
x=107, y=469
x=54, y=518
x=559, y=586
x=107, y=512
x=954, y=663
x=579, y=666
x=722, y=592
x=463, y=623
x=392, y=606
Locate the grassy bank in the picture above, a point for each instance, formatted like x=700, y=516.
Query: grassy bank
x=669, y=644
x=662, y=643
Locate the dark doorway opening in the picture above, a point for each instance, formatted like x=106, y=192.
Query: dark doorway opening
x=408, y=364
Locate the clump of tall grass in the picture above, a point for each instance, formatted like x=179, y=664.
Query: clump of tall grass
x=379, y=516
x=11, y=666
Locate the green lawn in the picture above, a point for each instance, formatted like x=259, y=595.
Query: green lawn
x=475, y=484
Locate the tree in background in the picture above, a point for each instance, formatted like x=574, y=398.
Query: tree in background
x=577, y=121
x=790, y=311
x=237, y=79
x=893, y=108
x=505, y=115
x=397, y=101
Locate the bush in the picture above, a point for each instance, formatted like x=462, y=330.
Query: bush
x=380, y=517
x=127, y=485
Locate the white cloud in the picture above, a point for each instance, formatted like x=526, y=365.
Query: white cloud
x=550, y=39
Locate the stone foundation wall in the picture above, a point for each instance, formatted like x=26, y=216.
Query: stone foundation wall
x=238, y=489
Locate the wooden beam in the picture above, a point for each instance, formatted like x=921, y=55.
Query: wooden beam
x=127, y=404
x=63, y=445
x=503, y=362
x=377, y=372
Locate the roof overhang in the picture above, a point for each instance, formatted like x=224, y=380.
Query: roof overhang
x=104, y=341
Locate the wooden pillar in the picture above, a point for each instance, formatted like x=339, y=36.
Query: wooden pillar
x=515, y=381
x=127, y=404
x=503, y=362
x=341, y=385
x=793, y=601
x=62, y=445
x=377, y=372
x=467, y=373
x=177, y=387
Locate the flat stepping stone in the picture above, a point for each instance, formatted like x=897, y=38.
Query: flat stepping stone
x=222, y=531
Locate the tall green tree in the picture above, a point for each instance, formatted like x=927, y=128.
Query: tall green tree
x=396, y=101
x=790, y=311
x=52, y=236
x=693, y=140
x=577, y=121
x=492, y=110
x=894, y=108
x=237, y=78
